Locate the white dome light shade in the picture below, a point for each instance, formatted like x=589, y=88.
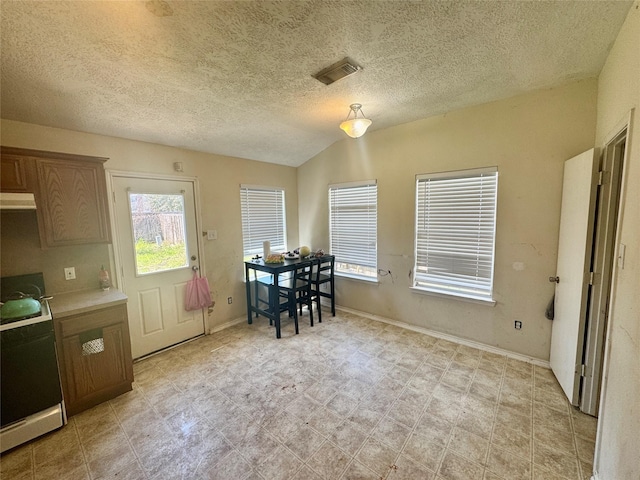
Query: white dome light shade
x=355, y=127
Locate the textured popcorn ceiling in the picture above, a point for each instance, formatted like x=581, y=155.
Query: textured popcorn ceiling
x=234, y=77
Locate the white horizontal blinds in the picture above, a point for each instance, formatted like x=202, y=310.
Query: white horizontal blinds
x=353, y=221
x=455, y=232
x=263, y=219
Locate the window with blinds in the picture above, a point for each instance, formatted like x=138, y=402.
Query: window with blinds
x=263, y=219
x=353, y=228
x=455, y=232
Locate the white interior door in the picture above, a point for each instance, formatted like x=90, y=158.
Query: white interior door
x=574, y=258
x=158, y=247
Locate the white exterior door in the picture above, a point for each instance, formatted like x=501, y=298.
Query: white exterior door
x=575, y=244
x=158, y=247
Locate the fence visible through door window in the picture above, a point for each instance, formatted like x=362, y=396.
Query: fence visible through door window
x=158, y=226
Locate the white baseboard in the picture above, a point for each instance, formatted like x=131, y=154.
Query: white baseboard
x=450, y=338
x=426, y=331
x=228, y=324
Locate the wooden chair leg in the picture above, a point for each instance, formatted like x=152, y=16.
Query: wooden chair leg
x=292, y=298
x=318, y=307
x=299, y=298
x=333, y=300
x=277, y=322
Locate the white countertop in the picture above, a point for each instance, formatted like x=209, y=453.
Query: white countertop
x=67, y=304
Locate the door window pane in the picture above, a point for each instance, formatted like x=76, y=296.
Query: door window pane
x=158, y=232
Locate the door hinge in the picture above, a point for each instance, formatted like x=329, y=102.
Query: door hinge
x=591, y=277
x=582, y=370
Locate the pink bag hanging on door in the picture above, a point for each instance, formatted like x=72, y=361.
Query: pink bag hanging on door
x=197, y=295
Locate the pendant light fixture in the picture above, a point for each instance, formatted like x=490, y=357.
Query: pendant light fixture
x=356, y=126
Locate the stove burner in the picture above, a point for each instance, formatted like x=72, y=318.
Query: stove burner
x=4, y=321
x=18, y=323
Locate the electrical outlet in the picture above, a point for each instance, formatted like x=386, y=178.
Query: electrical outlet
x=70, y=273
x=229, y=300
x=517, y=325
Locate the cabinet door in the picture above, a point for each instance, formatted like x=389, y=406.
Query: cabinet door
x=95, y=368
x=72, y=202
x=14, y=174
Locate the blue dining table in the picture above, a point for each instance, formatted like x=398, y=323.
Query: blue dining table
x=272, y=309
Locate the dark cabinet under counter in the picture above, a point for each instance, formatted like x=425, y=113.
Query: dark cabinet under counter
x=92, y=334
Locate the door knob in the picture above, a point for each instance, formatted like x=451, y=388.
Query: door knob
x=554, y=279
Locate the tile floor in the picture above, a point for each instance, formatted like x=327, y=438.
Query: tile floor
x=350, y=398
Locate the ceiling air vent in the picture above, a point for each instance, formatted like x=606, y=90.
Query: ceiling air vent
x=338, y=70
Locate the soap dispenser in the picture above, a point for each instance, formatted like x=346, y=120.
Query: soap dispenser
x=103, y=278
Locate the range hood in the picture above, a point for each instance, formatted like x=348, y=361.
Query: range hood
x=17, y=201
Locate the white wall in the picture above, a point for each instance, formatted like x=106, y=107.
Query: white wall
x=528, y=137
x=219, y=178
x=618, y=441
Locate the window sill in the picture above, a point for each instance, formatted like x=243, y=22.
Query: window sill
x=462, y=298
x=357, y=277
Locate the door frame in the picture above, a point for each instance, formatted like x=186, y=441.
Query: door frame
x=115, y=267
x=602, y=261
x=626, y=123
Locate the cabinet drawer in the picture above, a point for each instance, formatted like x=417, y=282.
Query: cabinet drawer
x=77, y=324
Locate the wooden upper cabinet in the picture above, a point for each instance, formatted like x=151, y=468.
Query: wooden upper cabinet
x=73, y=204
x=16, y=174
x=71, y=195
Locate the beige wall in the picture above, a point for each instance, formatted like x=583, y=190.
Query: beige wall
x=618, y=442
x=528, y=137
x=219, y=180
x=20, y=253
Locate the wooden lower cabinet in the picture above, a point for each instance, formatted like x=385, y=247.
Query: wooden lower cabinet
x=94, y=356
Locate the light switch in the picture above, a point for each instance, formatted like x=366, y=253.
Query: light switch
x=212, y=234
